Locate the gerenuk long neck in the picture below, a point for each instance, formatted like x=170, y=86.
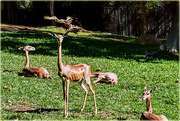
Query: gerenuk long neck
x=27, y=59
x=148, y=104
x=60, y=65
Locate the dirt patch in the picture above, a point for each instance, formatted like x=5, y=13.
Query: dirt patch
x=118, y=117
x=18, y=107
x=15, y=28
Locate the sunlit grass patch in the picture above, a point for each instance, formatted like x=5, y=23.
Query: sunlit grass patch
x=44, y=97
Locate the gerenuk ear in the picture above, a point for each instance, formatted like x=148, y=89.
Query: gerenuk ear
x=155, y=88
x=145, y=88
x=20, y=48
x=65, y=34
x=54, y=35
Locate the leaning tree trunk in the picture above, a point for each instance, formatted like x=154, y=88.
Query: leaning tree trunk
x=172, y=42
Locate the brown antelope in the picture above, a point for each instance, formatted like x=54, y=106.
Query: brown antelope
x=33, y=71
x=73, y=73
x=148, y=115
x=106, y=77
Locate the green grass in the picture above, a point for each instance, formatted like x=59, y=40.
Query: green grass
x=114, y=102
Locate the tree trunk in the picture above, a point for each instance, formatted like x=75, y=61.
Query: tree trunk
x=143, y=9
x=172, y=42
x=52, y=11
x=10, y=12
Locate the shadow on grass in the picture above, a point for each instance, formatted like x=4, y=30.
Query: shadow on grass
x=11, y=71
x=79, y=46
x=42, y=110
x=38, y=110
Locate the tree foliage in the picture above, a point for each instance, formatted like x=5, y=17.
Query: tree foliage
x=25, y=5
